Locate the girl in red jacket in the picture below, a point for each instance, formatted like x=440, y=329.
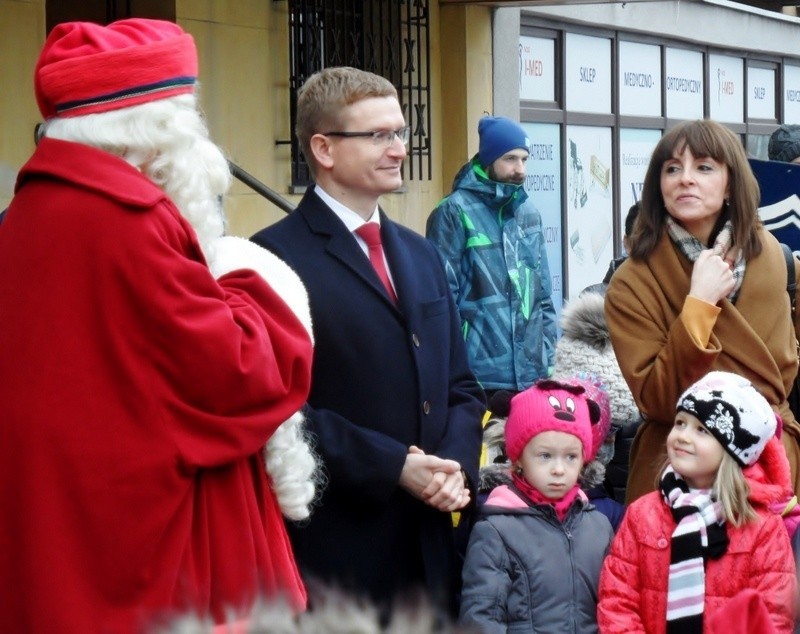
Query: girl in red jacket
x=707, y=535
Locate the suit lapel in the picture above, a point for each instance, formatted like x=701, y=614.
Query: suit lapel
x=403, y=271
x=341, y=245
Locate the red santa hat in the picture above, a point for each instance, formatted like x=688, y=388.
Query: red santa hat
x=86, y=68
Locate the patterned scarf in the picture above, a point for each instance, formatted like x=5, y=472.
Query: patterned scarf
x=560, y=506
x=700, y=534
x=691, y=248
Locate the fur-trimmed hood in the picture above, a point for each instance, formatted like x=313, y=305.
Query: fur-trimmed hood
x=769, y=478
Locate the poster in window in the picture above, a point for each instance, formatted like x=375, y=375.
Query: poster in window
x=635, y=148
x=590, y=244
x=543, y=184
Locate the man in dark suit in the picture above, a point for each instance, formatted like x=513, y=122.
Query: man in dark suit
x=394, y=410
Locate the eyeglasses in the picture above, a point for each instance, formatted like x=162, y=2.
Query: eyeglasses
x=379, y=137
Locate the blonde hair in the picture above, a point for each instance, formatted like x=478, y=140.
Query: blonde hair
x=323, y=97
x=730, y=488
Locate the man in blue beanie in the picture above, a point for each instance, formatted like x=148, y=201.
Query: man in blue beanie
x=490, y=236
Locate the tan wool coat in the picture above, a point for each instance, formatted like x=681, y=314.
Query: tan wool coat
x=659, y=359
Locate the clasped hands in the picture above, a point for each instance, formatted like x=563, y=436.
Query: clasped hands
x=438, y=482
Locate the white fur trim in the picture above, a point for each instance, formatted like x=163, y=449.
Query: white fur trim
x=292, y=467
x=230, y=253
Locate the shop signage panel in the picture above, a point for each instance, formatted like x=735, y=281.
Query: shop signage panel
x=588, y=73
x=760, y=93
x=639, y=79
x=726, y=88
x=791, y=94
x=684, y=83
x=537, y=74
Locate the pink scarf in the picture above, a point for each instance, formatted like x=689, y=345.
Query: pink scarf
x=560, y=506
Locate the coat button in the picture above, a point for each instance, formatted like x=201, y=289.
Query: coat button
x=426, y=407
x=662, y=543
x=415, y=340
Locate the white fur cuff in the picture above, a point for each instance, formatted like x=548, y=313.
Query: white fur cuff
x=231, y=253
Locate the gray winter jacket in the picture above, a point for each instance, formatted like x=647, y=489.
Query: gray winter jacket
x=525, y=571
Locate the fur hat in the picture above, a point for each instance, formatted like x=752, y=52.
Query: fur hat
x=738, y=416
x=499, y=135
x=586, y=346
x=86, y=68
x=784, y=144
x=551, y=406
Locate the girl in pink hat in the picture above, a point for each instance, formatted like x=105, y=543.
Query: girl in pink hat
x=534, y=556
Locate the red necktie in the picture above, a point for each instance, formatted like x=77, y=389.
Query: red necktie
x=370, y=233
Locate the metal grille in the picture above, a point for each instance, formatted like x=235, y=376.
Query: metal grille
x=390, y=38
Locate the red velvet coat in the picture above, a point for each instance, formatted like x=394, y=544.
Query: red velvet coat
x=136, y=395
x=634, y=580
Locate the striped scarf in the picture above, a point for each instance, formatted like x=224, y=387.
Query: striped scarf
x=691, y=247
x=700, y=533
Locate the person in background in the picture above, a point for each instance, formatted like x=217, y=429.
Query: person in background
x=534, y=556
x=699, y=291
x=630, y=219
x=490, y=236
x=585, y=346
x=394, y=409
x=684, y=553
x=784, y=144
x=147, y=359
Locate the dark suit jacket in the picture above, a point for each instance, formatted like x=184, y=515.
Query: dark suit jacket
x=384, y=377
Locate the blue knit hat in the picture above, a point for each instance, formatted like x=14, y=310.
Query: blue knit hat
x=499, y=135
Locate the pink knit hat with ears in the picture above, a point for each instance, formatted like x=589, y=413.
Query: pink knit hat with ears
x=551, y=406
x=595, y=392
x=85, y=68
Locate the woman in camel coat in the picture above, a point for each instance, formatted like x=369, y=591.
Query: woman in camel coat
x=704, y=289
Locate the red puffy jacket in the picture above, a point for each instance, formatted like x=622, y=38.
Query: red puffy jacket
x=635, y=575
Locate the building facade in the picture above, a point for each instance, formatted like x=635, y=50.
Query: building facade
x=595, y=85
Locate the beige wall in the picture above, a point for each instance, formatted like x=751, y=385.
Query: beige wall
x=244, y=75
x=244, y=70
x=21, y=37
x=243, y=90
x=466, y=83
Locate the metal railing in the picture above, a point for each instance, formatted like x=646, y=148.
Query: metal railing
x=260, y=188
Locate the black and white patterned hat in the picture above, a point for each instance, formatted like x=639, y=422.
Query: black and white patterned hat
x=734, y=411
